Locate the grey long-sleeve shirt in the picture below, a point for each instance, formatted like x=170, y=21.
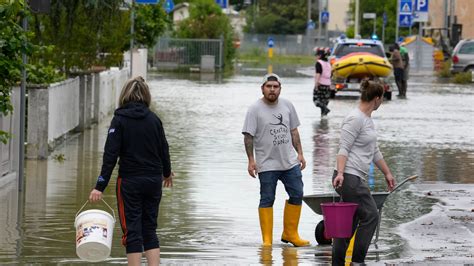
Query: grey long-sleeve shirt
x=358, y=143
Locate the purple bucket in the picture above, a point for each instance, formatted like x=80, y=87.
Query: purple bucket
x=338, y=219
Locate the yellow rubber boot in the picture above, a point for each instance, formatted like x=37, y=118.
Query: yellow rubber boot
x=291, y=219
x=266, y=224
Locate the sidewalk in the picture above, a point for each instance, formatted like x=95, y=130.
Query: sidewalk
x=445, y=235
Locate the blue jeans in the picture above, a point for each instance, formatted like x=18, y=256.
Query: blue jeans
x=292, y=181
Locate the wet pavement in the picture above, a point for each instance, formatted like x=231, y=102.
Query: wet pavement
x=210, y=215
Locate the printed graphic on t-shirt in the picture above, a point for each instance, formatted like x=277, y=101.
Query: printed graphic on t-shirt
x=279, y=132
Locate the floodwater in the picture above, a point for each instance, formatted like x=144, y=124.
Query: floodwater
x=210, y=215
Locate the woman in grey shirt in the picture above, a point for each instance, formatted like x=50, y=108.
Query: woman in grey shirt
x=357, y=149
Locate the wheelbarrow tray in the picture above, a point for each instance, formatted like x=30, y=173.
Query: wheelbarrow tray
x=314, y=201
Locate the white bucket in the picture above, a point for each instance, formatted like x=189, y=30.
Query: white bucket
x=94, y=232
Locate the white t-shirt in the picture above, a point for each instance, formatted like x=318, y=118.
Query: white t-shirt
x=270, y=126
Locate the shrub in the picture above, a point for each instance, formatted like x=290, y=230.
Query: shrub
x=445, y=71
x=462, y=78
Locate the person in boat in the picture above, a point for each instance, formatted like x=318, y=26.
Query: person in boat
x=397, y=63
x=137, y=137
x=322, y=81
x=271, y=126
x=357, y=149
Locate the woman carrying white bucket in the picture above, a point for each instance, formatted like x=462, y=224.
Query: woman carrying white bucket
x=136, y=136
x=357, y=149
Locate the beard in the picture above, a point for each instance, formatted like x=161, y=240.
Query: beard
x=271, y=97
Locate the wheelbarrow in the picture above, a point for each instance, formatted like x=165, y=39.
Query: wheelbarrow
x=314, y=202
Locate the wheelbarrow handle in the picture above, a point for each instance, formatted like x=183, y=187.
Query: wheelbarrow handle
x=410, y=178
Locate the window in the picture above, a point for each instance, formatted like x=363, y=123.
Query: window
x=467, y=48
x=345, y=49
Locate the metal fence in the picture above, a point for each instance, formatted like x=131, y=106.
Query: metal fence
x=173, y=53
x=286, y=44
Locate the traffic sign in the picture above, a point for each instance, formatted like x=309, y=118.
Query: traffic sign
x=369, y=15
x=420, y=17
x=406, y=7
x=222, y=3
x=324, y=17
x=421, y=5
x=169, y=5
x=270, y=42
x=421, y=11
x=154, y=2
x=405, y=20
x=311, y=25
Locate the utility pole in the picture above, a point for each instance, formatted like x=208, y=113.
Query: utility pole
x=375, y=24
x=132, y=31
x=309, y=11
x=308, y=30
x=356, y=27
x=397, y=18
x=320, y=24
x=21, y=161
x=452, y=16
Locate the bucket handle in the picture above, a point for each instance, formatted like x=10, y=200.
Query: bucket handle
x=87, y=201
x=334, y=195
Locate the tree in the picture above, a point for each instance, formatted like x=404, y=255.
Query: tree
x=277, y=17
x=207, y=21
x=12, y=44
x=367, y=25
x=94, y=32
x=151, y=22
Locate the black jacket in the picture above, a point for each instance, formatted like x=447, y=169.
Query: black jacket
x=136, y=136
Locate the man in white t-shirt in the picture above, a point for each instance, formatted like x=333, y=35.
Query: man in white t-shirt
x=271, y=129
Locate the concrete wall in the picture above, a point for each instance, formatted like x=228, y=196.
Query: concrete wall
x=140, y=62
x=71, y=105
x=9, y=152
x=63, y=104
x=110, y=84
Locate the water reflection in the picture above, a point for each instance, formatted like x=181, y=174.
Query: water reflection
x=210, y=216
x=323, y=156
x=290, y=256
x=9, y=217
x=266, y=257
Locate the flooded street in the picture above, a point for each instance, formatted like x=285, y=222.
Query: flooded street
x=210, y=215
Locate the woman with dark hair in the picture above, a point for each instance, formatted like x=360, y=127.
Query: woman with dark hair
x=322, y=81
x=136, y=136
x=357, y=149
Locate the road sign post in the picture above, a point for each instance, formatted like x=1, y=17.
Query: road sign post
x=371, y=16
x=405, y=18
x=420, y=13
x=384, y=22
x=270, y=44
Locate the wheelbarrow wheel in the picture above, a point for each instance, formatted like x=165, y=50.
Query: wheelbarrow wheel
x=319, y=234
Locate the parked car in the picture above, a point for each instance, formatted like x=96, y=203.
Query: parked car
x=463, y=56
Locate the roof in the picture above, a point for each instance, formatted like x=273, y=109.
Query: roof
x=364, y=41
x=413, y=38
x=180, y=5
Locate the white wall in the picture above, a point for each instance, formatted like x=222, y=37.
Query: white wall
x=111, y=83
x=63, y=115
x=140, y=62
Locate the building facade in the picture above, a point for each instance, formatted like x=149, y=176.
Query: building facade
x=439, y=10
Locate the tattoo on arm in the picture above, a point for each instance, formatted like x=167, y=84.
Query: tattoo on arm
x=248, y=141
x=295, y=136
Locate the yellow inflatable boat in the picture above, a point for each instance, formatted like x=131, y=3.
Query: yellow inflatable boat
x=360, y=65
